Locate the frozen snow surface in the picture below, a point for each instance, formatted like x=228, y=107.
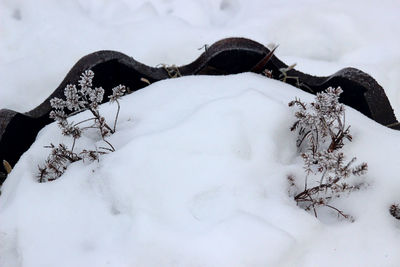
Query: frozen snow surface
x=198, y=179
x=199, y=176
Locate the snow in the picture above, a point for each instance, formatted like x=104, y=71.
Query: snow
x=321, y=36
x=198, y=177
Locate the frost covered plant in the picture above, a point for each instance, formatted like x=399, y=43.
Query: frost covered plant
x=78, y=100
x=322, y=132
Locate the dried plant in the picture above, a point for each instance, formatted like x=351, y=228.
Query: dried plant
x=7, y=166
x=395, y=211
x=322, y=132
x=78, y=100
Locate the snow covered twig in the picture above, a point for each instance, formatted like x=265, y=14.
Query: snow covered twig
x=77, y=100
x=322, y=131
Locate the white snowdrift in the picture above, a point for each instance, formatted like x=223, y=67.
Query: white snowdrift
x=199, y=179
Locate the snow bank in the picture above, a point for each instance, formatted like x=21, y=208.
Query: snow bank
x=199, y=179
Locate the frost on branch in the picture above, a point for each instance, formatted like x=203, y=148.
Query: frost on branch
x=322, y=133
x=77, y=100
x=118, y=91
x=56, y=163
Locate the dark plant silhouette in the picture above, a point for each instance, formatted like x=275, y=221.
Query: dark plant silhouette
x=395, y=211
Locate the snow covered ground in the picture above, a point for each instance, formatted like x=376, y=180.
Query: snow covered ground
x=199, y=179
x=199, y=175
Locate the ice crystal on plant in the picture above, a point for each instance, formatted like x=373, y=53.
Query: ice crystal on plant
x=77, y=100
x=321, y=134
x=118, y=91
x=86, y=80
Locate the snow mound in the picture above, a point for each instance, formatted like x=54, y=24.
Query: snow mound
x=199, y=179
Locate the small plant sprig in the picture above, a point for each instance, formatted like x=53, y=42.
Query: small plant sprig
x=321, y=132
x=395, y=211
x=78, y=100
